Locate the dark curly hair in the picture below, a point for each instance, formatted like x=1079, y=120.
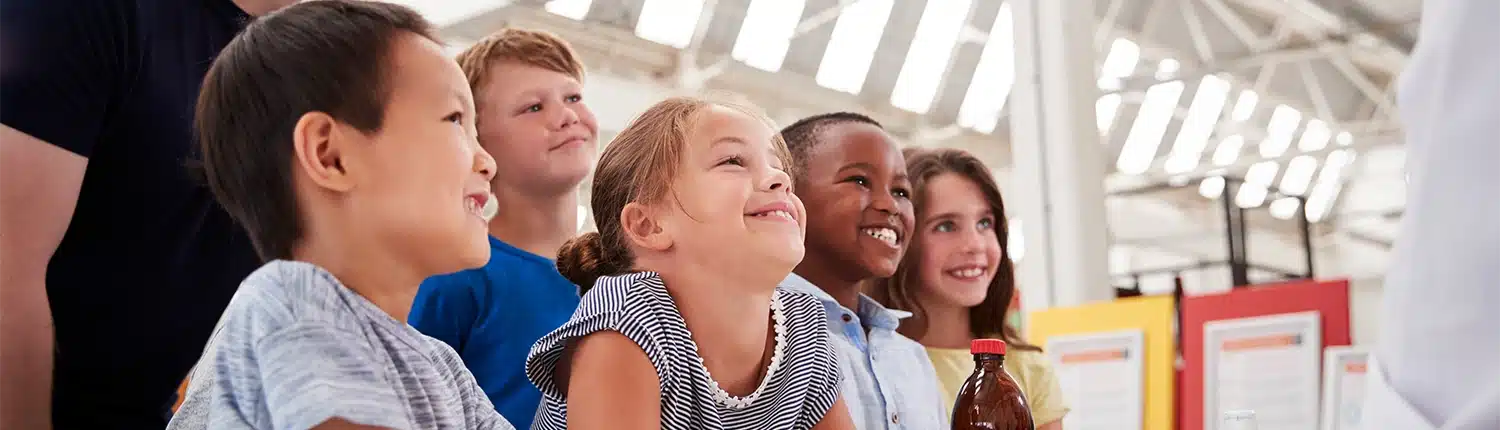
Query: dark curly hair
x=802, y=136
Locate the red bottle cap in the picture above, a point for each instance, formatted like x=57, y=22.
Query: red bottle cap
x=987, y=346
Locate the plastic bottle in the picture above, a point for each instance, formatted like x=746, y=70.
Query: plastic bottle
x=990, y=399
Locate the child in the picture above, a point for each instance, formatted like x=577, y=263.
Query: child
x=531, y=115
x=356, y=178
x=853, y=180
x=684, y=327
x=958, y=281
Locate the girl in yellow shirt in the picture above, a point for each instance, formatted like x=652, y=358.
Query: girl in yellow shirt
x=958, y=281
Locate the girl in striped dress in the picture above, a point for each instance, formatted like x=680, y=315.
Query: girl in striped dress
x=682, y=326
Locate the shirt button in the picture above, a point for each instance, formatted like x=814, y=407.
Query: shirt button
x=848, y=318
x=895, y=418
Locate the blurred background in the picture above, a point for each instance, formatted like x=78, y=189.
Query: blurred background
x=1281, y=108
x=1203, y=193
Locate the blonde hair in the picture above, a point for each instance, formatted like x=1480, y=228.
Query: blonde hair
x=638, y=166
x=530, y=47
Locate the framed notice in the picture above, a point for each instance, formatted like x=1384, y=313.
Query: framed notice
x=1267, y=364
x=1343, y=386
x=1102, y=376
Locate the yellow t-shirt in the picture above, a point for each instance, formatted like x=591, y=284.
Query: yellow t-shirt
x=1030, y=369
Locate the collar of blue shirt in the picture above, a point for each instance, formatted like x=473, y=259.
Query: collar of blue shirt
x=870, y=312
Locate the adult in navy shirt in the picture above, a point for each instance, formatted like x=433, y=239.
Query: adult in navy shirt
x=528, y=91
x=117, y=263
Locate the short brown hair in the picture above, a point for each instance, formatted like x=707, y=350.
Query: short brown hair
x=530, y=47
x=328, y=56
x=639, y=165
x=988, y=317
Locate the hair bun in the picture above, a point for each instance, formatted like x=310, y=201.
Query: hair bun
x=582, y=261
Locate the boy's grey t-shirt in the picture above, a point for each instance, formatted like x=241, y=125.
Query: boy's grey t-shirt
x=296, y=348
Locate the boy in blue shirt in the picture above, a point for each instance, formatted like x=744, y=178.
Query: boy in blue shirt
x=528, y=90
x=852, y=178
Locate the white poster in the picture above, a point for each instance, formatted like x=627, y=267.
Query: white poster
x=1102, y=376
x=1264, y=364
x=1343, y=386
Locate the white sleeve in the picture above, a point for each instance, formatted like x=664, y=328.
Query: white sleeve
x=1438, y=357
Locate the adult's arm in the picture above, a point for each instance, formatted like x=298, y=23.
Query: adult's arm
x=58, y=67
x=39, y=186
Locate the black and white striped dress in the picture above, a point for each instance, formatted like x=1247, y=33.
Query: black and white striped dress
x=797, y=395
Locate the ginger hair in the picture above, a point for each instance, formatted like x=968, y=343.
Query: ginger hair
x=535, y=48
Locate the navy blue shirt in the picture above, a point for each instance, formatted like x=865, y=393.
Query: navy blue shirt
x=492, y=316
x=149, y=260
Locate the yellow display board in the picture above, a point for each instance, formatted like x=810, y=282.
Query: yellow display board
x=1153, y=316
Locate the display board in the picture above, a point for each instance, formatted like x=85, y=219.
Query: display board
x=1268, y=365
x=1329, y=299
x=1152, y=317
x=1103, y=377
x=1344, y=371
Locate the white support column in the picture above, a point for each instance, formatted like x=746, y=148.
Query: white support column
x=1058, y=187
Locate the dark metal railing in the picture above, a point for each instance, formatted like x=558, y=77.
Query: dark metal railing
x=1236, y=236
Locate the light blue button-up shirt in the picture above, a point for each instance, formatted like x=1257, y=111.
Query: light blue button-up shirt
x=888, y=381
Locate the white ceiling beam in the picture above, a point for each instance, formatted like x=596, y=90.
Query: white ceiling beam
x=1353, y=14
x=1251, y=158
x=1233, y=21
x=804, y=27
x=1107, y=25
x=1201, y=43
x=1384, y=103
x=1138, y=83
x=1315, y=93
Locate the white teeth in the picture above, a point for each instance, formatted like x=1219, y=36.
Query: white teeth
x=886, y=235
x=776, y=213
x=490, y=208
x=486, y=211
x=972, y=272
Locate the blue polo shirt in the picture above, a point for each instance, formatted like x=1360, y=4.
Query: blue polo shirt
x=492, y=315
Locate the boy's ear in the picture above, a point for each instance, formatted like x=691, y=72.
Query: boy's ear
x=318, y=151
x=643, y=229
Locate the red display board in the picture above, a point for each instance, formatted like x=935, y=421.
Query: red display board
x=1329, y=298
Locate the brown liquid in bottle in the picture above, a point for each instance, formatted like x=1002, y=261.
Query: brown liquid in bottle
x=990, y=399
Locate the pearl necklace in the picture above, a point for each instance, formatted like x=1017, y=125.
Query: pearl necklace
x=778, y=316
